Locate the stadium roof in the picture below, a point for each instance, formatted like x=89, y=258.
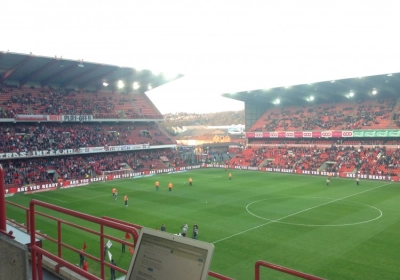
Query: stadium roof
x=359, y=88
x=61, y=72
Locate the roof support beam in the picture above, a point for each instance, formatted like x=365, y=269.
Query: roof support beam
x=66, y=70
x=111, y=82
x=36, y=72
x=128, y=74
x=97, y=78
x=81, y=75
x=15, y=68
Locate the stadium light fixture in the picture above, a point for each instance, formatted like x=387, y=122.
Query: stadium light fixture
x=135, y=85
x=149, y=87
x=311, y=98
x=276, y=101
x=351, y=94
x=374, y=91
x=105, y=84
x=390, y=75
x=80, y=63
x=333, y=81
x=120, y=84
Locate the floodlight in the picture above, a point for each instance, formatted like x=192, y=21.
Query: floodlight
x=135, y=85
x=276, y=101
x=311, y=98
x=332, y=81
x=105, y=84
x=80, y=63
x=389, y=75
x=351, y=94
x=149, y=87
x=120, y=84
x=374, y=91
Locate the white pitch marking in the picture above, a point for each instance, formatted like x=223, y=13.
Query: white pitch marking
x=290, y=215
x=50, y=197
x=311, y=225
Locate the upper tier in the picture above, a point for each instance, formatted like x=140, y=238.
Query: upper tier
x=104, y=105
x=369, y=114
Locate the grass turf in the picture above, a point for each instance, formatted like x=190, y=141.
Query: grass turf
x=343, y=231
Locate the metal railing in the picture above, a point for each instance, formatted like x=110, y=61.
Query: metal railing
x=26, y=224
x=37, y=252
x=104, y=221
x=282, y=269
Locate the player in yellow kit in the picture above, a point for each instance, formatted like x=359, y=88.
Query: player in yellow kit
x=115, y=193
x=126, y=200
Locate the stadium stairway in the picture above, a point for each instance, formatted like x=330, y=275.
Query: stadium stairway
x=23, y=238
x=46, y=274
x=49, y=266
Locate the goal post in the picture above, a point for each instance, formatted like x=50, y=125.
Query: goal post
x=116, y=174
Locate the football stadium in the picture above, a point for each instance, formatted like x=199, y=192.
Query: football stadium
x=313, y=193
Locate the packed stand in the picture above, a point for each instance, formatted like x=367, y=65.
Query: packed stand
x=369, y=114
x=20, y=172
x=360, y=160
x=51, y=136
x=104, y=105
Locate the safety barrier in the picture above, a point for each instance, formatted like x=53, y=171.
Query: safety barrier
x=282, y=269
x=37, y=252
x=104, y=221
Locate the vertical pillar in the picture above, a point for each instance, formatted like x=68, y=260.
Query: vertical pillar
x=3, y=224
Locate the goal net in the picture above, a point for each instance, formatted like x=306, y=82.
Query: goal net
x=116, y=174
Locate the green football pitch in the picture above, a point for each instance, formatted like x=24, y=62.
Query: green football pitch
x=341, y=231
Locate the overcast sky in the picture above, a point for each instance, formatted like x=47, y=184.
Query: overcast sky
x=220, y=46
